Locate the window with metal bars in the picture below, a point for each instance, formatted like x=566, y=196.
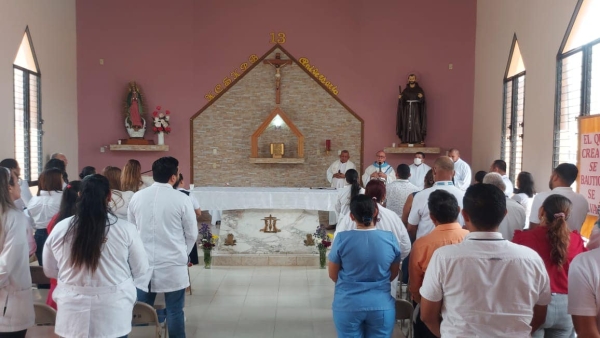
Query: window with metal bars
x=513, y=112
x=578, y=79
x=27, y=107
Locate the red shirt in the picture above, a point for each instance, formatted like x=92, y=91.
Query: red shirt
x=537, y=240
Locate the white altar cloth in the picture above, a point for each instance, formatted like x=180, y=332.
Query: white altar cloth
x=241, y=198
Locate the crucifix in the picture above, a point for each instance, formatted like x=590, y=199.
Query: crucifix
x=278, y=63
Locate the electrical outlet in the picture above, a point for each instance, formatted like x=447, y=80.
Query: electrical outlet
x=318, y=151
x=215, y=152
x=101, y=61
x=450, y=66
x=102, y=149
x=214, y=166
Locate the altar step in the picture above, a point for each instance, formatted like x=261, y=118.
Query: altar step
x=264, y=260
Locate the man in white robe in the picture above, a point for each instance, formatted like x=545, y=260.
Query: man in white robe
x=379, y=170
x=462, y=171
x=336, y=177
x=418, y=170
x=499, y=166
x=166, y=222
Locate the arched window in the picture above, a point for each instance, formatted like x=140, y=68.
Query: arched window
x=578, y=78
x=28, y=114
x=513, y=112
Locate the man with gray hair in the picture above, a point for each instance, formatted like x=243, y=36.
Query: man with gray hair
x=60, y=156
x=516, y=214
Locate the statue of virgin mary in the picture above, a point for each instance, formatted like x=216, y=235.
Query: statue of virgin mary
x=134, y=108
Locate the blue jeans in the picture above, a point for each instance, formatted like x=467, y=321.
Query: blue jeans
x=175, y=300
x=558, y=322
x=367, y=324
x=40, y=236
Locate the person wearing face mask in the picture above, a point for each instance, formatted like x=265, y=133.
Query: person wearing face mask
x=418, y=170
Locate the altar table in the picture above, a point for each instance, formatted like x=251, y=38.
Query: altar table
x=242, y=198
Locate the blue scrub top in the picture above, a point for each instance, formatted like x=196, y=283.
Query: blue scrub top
x=365, y=257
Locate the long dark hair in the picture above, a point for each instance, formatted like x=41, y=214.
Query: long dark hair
x=90, y=226
x=68, y=202
x=525, y=184
x=352, y=178
x=7, y=178
x=375, y=190
x=557, y=209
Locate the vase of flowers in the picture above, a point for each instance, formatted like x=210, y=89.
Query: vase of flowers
x=208, y=241
x=322, y=242
x=161, y=123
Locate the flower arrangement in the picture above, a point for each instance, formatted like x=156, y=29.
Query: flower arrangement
x=322, y=238
x=161, y=121
x=208, y=239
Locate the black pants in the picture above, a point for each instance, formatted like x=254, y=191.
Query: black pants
x=420, y=329
x=193, y=257
x=18, y=334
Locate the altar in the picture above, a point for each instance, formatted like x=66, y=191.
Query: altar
x=244, y=212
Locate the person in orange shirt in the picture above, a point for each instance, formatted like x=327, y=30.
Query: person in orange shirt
x=443, y=210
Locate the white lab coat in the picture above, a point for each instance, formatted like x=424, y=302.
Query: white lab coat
x=99, y=304
x=387, y=221
x=342, y=206
x=15, y=279
x=120, y=202
x=166, y=222
x=43, y=207
x=462, y=174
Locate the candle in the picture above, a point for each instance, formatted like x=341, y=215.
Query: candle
x=328, y=145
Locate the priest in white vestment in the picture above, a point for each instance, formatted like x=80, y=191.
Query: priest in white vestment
x=379, y=170
x=462, y=171
x=336, y=177
x=418, y=170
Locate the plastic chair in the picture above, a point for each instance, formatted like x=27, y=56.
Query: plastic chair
x=404, y=311
x=144, y=314
x=37, y=275
x=44, y=315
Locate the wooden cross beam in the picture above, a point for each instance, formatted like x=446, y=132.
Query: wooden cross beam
x=278, y=63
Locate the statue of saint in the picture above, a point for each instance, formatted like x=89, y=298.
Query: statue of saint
x=135, y=107
x=411, y=120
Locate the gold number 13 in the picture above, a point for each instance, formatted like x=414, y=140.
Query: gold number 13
x=280, y=38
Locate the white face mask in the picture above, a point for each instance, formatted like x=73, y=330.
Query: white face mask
x=418, y=161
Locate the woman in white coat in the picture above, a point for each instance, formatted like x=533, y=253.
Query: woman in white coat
x=15, y=279
x=386, y=220
x=94, y=256
x=345, y=194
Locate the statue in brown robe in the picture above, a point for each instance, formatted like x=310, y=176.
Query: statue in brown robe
x=411, y=119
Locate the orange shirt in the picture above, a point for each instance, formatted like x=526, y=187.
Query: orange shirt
x=423, y=248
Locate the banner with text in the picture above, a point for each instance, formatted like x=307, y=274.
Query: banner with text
x=589, y=170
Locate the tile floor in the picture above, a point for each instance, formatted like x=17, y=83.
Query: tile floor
x=290, y=302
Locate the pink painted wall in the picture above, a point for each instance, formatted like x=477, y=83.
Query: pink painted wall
x=179, y=50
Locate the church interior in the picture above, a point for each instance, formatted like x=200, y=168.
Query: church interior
x=257, y=99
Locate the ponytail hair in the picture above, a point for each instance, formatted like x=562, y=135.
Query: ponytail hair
x=375, y=190
x=68, y=202
x=89, y=227
x=557, y=209
x=352, y=179
x=364, y=209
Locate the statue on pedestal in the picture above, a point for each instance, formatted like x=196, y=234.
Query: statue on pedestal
x=134, y=112
x=411, y=119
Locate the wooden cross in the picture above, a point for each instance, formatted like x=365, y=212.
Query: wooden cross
x=278, y=63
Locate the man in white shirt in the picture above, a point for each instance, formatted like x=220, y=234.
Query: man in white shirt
x=379, y=170
x=418, y=170
x=398, y=191
x=516, y=214
x=462, y=176
x=499, y=167
x=584, y=293
x=419, y=222
x=337, y=178
x=167, y=225
x=560, y=182
x=489, y=287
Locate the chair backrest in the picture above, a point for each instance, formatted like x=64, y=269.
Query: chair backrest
x=44, y=315
x=38, y=276
x=144, y=314
x=404, y=310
